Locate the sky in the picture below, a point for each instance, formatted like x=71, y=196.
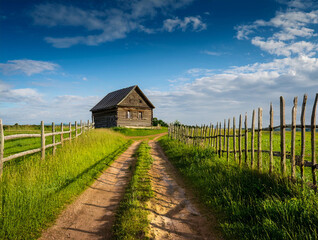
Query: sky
x=198, y=62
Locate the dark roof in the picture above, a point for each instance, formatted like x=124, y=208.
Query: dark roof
x=114, y=98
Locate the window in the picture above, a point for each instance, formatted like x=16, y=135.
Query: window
x=139, y=115
x=128, y=114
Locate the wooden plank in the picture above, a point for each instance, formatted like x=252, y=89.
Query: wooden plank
x=239, y=140
x=62, y=134
x=293, y=139
x=259, y=140
x=234, y=138
x=303, y=137
x=212, y=135
x=228, y=142
x=282, y=136
x=1, y=147
x=313, y=140
x=217, y=138
x=53, y=138
x=70, y=130
x=21, y=154
x=246, y=138
x=42, y=141
x=224, y=136
x=252, y=139
x=75, y=129
x=15, y=136
x=271, y=122
x=52, y=145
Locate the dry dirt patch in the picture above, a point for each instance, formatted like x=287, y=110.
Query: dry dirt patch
x=92, y=215
x=173, y=215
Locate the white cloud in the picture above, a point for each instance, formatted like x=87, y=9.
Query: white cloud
x=84, y=78
x=193, y=23
x=112, y=24
x=28, y=67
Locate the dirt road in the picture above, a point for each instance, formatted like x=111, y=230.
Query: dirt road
x=92, y=215
x=173, y=215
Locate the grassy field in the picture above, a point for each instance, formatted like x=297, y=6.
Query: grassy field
x=131, y=219
x=249, y=205
x=139, y=131
x=33, y=192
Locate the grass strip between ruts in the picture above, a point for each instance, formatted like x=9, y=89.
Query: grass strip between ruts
x=131, y=217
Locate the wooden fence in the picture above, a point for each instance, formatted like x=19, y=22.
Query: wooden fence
x=82, y=127
x=220, y=138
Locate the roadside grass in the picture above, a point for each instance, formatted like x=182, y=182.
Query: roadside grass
x=34, y=192
x=139, y=131
x=131, y=217
x=249, y=204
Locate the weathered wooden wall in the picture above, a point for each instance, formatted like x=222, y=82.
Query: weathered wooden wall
x=105, y=118
x=123, y=121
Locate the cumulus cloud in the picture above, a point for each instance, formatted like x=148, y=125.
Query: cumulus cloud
x=112, y=24
x=193, y=23
x=28, y=67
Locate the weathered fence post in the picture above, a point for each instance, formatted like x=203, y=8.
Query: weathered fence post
x=239, y=140
x=62, y=135
x=234, y=139
x=259, y=140
x=271, y=126
x=303, y=140
x=53, y=138
x=75, y=129
x=224, y=135
x=1, y=147
x=282, y=136
x=252, y=139
x=228, y=141
x=220, y=150
x=70, y=135
x=42, y=141
x=217, y=137
x=246, y=139
x=293, y=139
x=313, y=141
x=81, y=123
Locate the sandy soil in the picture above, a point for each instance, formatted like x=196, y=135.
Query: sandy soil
x=173, y=214
x=92, y=215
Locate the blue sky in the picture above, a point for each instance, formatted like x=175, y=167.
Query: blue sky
x=197, y=61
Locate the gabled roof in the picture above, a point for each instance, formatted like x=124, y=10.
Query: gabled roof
x=112, y=99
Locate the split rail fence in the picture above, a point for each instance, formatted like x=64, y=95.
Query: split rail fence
x=82, y=127
x=240, y=142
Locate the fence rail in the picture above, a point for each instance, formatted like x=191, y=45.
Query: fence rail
x=82, y=127
x=219, y=138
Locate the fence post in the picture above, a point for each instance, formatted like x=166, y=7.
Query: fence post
x=252, y=139
x=313, y=140
x=234, y=139
x=271, y=125
x=220, y=148
x=1, y=147
x=53, y=138
x=75, y=129
x=70, y=135
x=282, y=135
x=239, y=140
x=212, y=134
x=228, y=141
x=62, y=135
x=42, y=141
x=224, y=135
x=259, y=142
x=246, y=139
x=293, y=139
x=303, y=140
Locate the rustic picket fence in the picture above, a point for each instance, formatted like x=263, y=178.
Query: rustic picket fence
x=82, y=127
x=219, y=138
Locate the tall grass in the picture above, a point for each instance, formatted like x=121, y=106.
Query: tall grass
x=131, y=218
x=33, y=192
x=250, y=205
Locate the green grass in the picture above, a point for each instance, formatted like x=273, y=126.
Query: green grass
x=250, y=205
x=34, y=192
x=131, y=218
x=139, y=131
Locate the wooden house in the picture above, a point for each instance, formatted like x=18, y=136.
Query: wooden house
x=127, y=107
